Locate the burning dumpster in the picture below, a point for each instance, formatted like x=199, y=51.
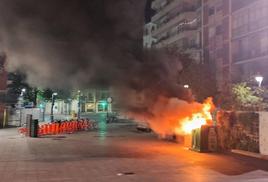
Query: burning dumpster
x=204, y=139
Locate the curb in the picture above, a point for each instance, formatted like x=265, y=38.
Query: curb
x=250, y=154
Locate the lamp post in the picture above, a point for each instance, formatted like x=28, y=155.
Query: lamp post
x=79, y=105
x=259, y=79
x=21, y=100
x=23, y=91
x=52, y=105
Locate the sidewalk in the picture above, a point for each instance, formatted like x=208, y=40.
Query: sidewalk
x=250, y=154
x=116, y=153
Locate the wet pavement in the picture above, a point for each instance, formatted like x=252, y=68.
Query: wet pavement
x=117, y=152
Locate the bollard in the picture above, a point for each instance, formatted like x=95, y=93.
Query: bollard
x=34, y=128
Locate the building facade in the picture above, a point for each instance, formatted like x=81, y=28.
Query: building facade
x=3, y=90
x=177, y=23
x=235, y=37
x=86, y=101
x=216, y=37
x=249, y=39
x=232, y=34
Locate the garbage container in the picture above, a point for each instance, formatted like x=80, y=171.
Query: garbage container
x=200, y=139
x=34, y=128
x=204, y=139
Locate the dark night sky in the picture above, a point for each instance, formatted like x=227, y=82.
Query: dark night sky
x=149, y=12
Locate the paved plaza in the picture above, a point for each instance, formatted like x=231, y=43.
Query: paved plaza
x=117, y=152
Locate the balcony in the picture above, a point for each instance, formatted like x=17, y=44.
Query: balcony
x=169, y=6
x=249, y=56
x=157, y=5
x=175, y=20
x=171, y=38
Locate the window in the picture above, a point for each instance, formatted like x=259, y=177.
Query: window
x=264, y=43
x=241, y=49
x=211, y=32
x=240, y=23
x=238, y=4
x=90, y=96
x=219, y=8
x=102, y=107
x=218, y=29
x=211, y=11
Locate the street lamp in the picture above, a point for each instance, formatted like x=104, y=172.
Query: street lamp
x=21, y=103
x=52, y=105
x=259, y=79
x=21, y=96
x=79, y=105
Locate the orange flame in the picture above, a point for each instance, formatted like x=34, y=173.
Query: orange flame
x=171, y=116
x=197, y=119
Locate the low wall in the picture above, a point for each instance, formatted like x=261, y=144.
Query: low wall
x=246, y=131
x=264, y=133
x=238, y=130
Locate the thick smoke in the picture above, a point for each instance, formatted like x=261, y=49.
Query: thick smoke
x=79, y=43
x=84, y=44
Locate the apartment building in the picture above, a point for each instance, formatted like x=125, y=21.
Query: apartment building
x=177, y=23
x=232, y=34
x=216, y=36
x=249, y=39
x=235, y=37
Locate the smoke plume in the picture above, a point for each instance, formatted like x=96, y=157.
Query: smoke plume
x=84, y=44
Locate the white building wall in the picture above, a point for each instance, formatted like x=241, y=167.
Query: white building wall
x=263, y=128
x=74, y=106
x=60, y=107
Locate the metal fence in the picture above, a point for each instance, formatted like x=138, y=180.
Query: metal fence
x=17, y=117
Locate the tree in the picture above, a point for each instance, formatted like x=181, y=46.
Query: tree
x=245, y=97
x=45, y=95
x=17, y=83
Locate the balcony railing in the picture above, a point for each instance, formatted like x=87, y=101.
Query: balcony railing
x=156, y=4
x=248, y=55
x=174, y=20
x=173, y=4
x=172, y=37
